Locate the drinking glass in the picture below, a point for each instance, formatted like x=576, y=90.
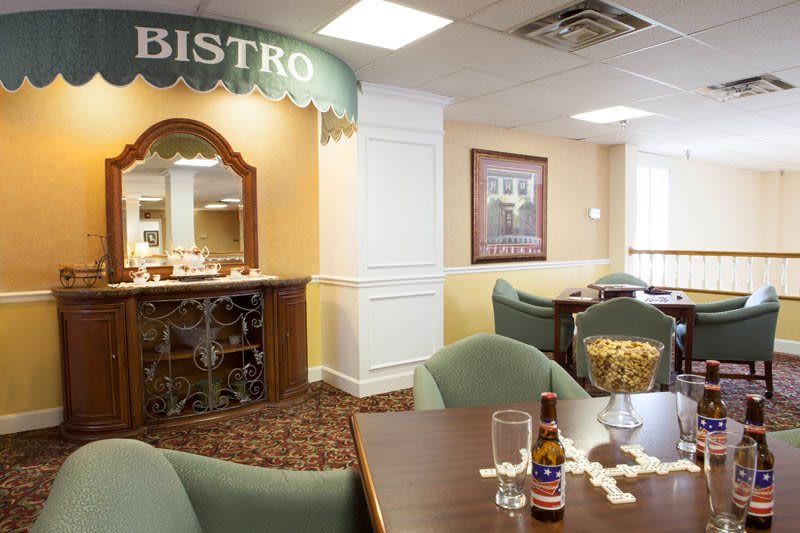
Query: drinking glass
x=511, y=444
x=689, y=391
x=730, y=463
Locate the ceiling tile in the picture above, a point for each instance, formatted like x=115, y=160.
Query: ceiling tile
x=691, y=16
x=684, y=63
x=767, y=101
x=470, y=83
x=628, y=43
x=650, y=122
x=356, y=55
x=405, y=68
x=625, y=137
x=298, y=16
x=165, y=6
x=570, y=128
x=533, y=96
x=739, y=124
x=788, y=137
x=789, y=114
x=453, y=9
x=475, y=47
x=493, y=114
x=507, y=14
x=686, y=106
x=760, y=164
x=791, y=75
x=687, y=133
x=606, y=84
x=751, y=147
x=761, y=39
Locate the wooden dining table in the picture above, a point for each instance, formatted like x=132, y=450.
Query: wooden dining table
x=420, y=471
x=675, y=304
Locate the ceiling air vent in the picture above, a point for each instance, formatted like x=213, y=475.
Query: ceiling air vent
x=742, y=88
x=581, y=24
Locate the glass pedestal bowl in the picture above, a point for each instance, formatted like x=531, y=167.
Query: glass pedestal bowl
x=622, y=365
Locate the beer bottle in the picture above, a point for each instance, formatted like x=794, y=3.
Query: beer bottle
x=548, y=494
x=711, y=411
x=759, y=515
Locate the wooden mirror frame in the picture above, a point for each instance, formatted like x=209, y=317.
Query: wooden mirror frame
x=137, y=152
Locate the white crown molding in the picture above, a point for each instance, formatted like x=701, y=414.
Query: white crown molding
x=25, y=296
x=403, y=94
x=368, y=123
x=508, y=267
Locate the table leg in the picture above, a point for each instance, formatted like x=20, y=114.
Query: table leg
x=557, y=355
x=688, y=341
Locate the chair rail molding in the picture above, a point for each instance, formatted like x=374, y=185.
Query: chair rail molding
x=25, y=296
x=537, y=265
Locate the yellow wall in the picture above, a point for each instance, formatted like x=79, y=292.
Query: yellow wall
x=53, y=146
x=577, y=179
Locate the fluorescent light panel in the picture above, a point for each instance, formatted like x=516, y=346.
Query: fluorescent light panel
x=230, y=200
x=383, y=24
x=149, y=199
x=197, y=162
x=612, y=114
x=216, y=206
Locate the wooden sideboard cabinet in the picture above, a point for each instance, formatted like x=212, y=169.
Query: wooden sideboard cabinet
x=174, y=354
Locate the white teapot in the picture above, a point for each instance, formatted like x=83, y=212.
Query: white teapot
x=140, y=277
x=195, y=256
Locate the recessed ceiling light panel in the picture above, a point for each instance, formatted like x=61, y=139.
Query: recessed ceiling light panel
x=612, y=114
x=197, y=162
x=150, y=199
x=215, y=206
x=383, y=24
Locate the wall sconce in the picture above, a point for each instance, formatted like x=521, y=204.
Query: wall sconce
x=593, y=213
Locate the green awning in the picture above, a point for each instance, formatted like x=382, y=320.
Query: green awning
x=164, y=48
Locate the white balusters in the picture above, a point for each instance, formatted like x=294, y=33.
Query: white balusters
x=689, y=281
x=734, y=273
x=705, y=272
x=677, y=268
x=766, y=271
x=652, y=261
x=785, y=275
x=750, y=274
x=719, y=273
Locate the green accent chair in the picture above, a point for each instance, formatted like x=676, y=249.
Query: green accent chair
x=789, y=436
x=487, y=369
x=621, y=278
x=123, y=485
x=625, y=316
x=528, y=318
x=739, y=330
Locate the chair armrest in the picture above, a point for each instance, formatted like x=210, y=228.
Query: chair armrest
x=426, y=391
x=718, y=307
x=563, y=384
x=737, y=315
x=232, y=497
x=528, y=309
x=534, y=300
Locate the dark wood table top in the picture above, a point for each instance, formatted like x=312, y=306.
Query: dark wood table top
x=420, y=472
x=589, y=297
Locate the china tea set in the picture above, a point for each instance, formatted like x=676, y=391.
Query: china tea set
x=190, y=265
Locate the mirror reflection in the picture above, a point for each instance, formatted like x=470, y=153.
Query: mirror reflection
x=181, y=195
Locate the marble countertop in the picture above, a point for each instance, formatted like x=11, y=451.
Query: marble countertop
x=151, y=288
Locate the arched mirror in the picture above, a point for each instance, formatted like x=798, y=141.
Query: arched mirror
x=180, y=185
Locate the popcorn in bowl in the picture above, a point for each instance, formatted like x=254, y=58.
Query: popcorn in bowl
x=622, y=364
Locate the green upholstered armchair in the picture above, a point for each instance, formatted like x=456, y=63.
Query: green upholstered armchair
x=123, y=485
x=625, y=316
x=739, y=330
x=488, y=369
x=621, y=278
x=789, y=436
x=527, y=318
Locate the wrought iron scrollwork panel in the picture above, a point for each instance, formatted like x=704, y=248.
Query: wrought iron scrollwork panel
x=201, y=354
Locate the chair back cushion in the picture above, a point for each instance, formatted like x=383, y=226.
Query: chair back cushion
x=625, y=316
x=504, y=288
x=487, y=369
x=117, y=485
x=764, y=294
x=621, y=278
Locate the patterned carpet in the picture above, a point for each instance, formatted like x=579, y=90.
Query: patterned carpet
x=314, y=435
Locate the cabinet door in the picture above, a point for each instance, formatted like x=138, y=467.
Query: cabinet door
x=95, y=370
x=291, y=342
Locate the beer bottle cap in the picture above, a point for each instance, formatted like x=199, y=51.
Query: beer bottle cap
x=549, y=396
x=712, y=362
x=754, y=397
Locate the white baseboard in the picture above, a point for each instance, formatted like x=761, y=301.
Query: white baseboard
x=314, y=374
x=785, y=346
x=367, y=387
x=43, y=418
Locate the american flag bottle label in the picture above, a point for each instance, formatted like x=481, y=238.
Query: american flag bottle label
x=551, y=425
x=547, y=486
x=743, y=485
x=705, y=426
x=763, y=495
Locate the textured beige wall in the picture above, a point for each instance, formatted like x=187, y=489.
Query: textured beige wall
x=54, y=143
x=221, y=230
x=577, y=179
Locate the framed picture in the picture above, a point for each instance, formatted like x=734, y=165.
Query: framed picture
x=509, y=207
x=151, y=237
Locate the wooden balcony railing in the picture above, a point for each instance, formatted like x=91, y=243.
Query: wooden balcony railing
x=715, y=271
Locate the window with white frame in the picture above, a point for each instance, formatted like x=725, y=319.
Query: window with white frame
x=652, y=215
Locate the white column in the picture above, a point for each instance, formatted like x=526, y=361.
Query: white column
x=622, y=206
x=132, y=221
x=179, y=202
x=381, y=235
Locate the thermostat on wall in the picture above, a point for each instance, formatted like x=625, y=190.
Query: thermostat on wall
x=593, y=213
